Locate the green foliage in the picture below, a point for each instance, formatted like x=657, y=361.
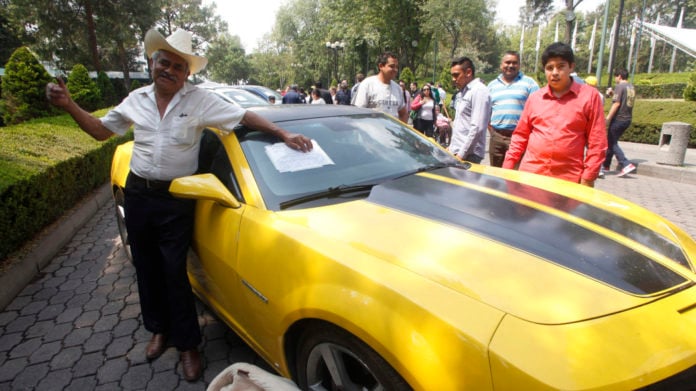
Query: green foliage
x=660, y=91
x=660, y=78
x=83, y=90
x=446, y=79
x=48, y=164
x=107, y=90
x=650, y=114
x=10, y=42
x=407, y=75
x=24, y=88
x=227, y=62
x=690, y=90
x=135, y=84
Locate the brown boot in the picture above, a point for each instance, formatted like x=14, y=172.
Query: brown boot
x=191, y=364
x=156, y=346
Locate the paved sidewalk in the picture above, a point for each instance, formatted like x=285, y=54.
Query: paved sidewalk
x=648, y=157
x=77, y=325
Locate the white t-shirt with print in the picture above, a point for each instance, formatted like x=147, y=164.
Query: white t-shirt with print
x=374, y=94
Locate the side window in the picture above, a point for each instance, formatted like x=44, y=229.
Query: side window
x=213, y=159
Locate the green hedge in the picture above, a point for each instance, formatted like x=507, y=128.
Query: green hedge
x=47, y=166
x=650, y=114
x=662, y=91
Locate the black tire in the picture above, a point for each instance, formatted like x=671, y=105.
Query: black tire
x=119, y=199
x=355, y=365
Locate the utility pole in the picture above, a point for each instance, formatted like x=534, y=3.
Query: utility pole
x=616, y=39
x=601, y=44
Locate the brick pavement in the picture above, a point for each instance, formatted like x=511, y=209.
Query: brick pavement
x=76, y=326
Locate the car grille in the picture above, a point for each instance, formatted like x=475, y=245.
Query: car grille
x=682, y=381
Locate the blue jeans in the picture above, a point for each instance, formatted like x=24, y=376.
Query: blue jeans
x=616, y=130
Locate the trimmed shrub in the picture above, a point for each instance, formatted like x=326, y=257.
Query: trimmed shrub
x=49, y=164
x=107, y=90
x=407, y=76
x=83, y=90
x=135, y=85
x=24, y=88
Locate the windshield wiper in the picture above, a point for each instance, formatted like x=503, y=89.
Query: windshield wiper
x=331, y=192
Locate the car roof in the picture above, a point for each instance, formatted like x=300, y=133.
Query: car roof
x=237, y=96
x=242, y=97
x=263, y=90
x=275, y=113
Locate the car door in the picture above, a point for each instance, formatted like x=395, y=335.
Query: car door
x=213, y=258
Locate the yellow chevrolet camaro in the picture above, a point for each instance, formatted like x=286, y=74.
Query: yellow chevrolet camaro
x=380, y=262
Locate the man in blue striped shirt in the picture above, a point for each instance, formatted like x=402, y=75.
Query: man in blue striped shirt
x=509, y=92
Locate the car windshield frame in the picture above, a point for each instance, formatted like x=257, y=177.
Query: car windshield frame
x=363, y=149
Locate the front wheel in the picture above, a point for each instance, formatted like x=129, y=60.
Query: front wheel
x=329, y=358
x=119, y=201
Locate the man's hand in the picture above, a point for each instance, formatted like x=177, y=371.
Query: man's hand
x=294, y=141
x=297, y=142
x=57, y=94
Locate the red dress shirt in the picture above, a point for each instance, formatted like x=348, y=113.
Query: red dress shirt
x=562, y=137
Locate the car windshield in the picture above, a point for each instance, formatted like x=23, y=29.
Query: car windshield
x=364, y=149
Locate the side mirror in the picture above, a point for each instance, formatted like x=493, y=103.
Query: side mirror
x=203, y=187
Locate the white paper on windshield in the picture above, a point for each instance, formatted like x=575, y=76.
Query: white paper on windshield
x=285, y=159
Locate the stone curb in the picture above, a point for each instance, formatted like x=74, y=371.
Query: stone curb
x=23, y=269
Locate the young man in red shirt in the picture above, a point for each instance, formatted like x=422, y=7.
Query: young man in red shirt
x=562, y=131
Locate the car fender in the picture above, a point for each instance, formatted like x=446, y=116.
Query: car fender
x=312, y=279
x=120, y=165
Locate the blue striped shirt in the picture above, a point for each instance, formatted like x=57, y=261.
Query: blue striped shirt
x=507, y=100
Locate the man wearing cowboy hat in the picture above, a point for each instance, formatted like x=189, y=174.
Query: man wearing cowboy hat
x=168, y=117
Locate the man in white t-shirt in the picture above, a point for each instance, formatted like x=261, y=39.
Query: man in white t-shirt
x=381, y=92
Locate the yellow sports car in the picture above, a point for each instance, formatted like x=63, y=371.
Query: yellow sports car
x=380, y=262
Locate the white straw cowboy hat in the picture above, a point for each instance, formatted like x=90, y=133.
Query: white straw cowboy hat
x=178, y=43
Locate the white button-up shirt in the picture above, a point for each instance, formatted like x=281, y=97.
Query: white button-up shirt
x=167, y=148
x=473, y=113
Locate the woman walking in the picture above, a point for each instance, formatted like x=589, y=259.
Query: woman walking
x=427, y=110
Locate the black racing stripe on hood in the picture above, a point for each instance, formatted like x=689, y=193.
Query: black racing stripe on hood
x=530, y=230
x=603, y=218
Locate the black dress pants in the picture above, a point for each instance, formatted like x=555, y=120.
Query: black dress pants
x=160, y=229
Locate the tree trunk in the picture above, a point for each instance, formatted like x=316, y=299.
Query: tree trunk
x=123, y=60
x=92, y=35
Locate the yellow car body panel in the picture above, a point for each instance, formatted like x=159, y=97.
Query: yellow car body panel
x=654, y=341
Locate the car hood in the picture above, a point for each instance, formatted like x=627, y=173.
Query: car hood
x=532, y=253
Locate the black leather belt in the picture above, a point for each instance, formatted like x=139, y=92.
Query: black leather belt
x=140, y=182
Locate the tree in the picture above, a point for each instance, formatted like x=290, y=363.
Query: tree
x=9, y=42
x=83, y=90
x=106, y=90
x=464, y=29
x=24, y=88
x=407, y=75
x=227, y=60
x=534, y=12
x=113, y=30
